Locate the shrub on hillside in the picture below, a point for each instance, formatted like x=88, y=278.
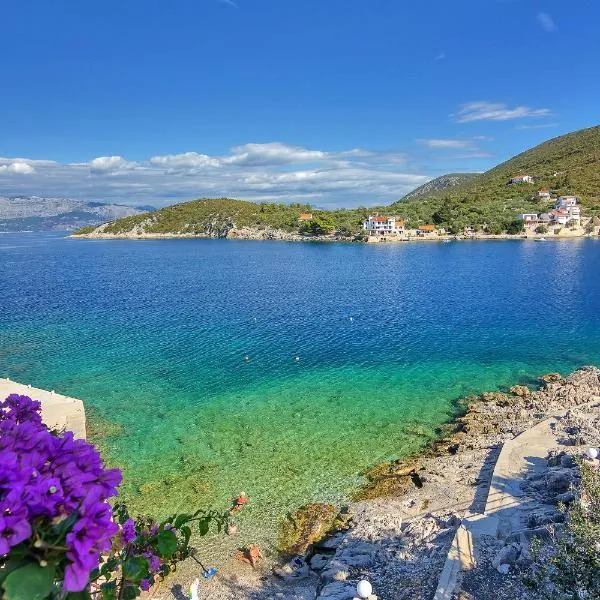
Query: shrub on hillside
x=571, y=567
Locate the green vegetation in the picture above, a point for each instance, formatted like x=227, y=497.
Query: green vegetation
x=567, y=165
x=541, y=229
x=571, y=569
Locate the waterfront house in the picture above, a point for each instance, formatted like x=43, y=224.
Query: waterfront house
x=305, y=217
x=570, y=205
x=425, y=230
x=377, y=225
x=560, y=217
x=528, y=217
x=544, y=193
x=522, y=179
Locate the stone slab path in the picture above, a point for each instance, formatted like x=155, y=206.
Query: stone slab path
x=525, y=453
x=58, y=411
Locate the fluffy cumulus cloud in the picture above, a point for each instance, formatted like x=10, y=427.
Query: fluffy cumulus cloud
x=263, y=172
x=110, y=164
x=19, y=167
x=186, y=160
x=496, y=111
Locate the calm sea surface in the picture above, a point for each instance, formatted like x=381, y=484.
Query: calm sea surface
x=355, y=352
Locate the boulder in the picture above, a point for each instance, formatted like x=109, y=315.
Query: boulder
x=335, y=571
x=559, y=480
x=309, y=525
x=507, y=555
x=337, y=590
x=566, y=497
x=319, y=561
x=294, y=570
x=520, y=390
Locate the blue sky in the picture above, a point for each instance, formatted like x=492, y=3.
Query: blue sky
x=333, y=102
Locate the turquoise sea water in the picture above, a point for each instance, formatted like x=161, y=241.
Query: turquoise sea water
x=152, y=335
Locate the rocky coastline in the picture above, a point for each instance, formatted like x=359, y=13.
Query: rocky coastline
x=402, y=525
x=271, y=234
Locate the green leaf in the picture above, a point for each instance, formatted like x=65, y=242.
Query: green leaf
x=167, y=543
x=135, y=568
x=130, y=592
x=78, y=596
x=186, y=532
x=203, y=526
x=109, y=590
x=30, y=582
x=180, y=520
x=10, y=566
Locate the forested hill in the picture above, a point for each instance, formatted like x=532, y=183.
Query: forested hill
x=569, y=164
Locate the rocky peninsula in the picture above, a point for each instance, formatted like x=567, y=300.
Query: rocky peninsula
x=456, y=522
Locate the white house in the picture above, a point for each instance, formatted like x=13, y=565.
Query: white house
x=522, y=179
x=570, y=205
x=382, y=226
x=544, y=193
x=560, y=217
x=567, y=201
x=529, y=217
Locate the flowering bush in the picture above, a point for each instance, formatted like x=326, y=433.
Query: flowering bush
x=59, y=536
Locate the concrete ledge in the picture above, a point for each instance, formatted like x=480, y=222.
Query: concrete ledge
x=58, y=412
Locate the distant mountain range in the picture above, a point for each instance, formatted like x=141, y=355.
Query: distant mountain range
x=33, y=213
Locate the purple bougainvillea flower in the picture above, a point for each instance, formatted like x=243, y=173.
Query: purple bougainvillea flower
x=76, y=577
x=45, y=478
x=153, y=562
x=145, y=585
x=128, y=531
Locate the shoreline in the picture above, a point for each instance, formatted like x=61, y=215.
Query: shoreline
x=403, y=522
x=329, y=238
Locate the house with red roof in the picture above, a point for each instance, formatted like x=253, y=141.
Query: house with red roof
x=380, y=226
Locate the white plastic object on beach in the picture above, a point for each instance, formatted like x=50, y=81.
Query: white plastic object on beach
x=364, y=589
x=592, y=453
x=194, y=589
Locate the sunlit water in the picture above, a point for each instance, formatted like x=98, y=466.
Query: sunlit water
x=355, y=352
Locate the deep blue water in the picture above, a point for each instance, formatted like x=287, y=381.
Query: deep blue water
x=356, y=352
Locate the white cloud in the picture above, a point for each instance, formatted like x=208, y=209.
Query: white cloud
x=229, y=3
x=440, y=56
x=546, y=22
x=446, y=143
x=186, y=160
x=274, y=153
x=538, y=126
x=110, y=164
x=18, y=167
x=496, y=111
x=264, y=172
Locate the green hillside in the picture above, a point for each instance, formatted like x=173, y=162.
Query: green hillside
x=569, y=164
x=217, y=216
x=441, y=185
